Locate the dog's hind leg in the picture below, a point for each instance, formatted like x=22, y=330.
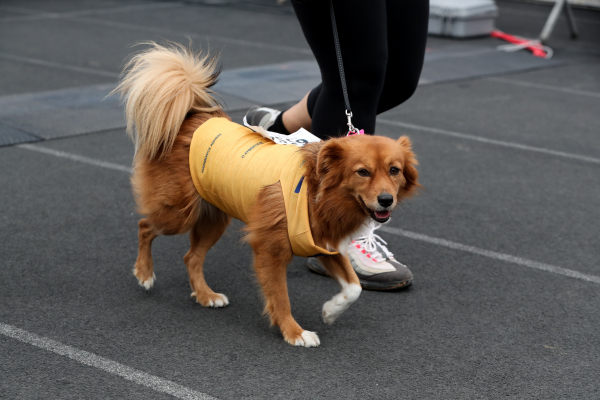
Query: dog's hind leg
x=206, y=232
x=340, y=268
x=144, y=268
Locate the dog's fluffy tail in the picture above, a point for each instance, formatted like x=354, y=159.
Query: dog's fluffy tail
x=161, y=85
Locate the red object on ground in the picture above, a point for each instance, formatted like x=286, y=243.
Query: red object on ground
x=533, y=45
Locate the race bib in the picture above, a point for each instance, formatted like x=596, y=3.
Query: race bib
x=298, y=138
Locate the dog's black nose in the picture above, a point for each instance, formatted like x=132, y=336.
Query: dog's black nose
x=385, y=200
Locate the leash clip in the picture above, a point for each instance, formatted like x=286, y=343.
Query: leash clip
x=351, y=129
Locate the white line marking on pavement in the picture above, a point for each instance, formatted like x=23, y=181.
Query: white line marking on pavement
x=51, y=64
x=80, y=16
x=396, y=231
x=491, y=141
x=162, y=31
x=545, y=87
x=492, y=254
x=34, y=14
x=136, y=7
x=112, y=367
x=75, y=157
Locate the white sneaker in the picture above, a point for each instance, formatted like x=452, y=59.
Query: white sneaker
x=375, y=265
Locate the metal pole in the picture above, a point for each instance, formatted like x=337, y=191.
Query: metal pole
x=554, y=14
x=571, y=21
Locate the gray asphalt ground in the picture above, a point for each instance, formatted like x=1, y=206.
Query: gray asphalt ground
x=502, y=241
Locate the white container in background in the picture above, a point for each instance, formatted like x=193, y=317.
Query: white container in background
x=462, y=18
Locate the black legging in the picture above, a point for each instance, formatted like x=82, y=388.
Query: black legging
x=383, y=46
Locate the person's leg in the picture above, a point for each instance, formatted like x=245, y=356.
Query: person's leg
x=363, y=44
x=373, y=262
x=407, y=37
x=406, y=40
x=365, y=51
x=297, y=116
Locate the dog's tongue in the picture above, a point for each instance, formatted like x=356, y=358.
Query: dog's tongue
x=382, y=214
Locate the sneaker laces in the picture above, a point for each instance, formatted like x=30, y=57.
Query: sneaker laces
x=370, y=242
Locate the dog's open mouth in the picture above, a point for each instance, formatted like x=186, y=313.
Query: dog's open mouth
x=379, y=216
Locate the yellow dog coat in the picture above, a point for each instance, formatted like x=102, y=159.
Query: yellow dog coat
x=231, y=163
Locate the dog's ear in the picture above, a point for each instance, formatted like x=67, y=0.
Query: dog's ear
x=330, y=159
x=409, y=170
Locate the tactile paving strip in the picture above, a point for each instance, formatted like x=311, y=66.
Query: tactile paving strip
x=10, y=135
x=68, y=112
x=287, y=82
x=63, y=112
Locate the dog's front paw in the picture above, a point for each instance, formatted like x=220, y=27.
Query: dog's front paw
x=306, y=339
x=212, y=300
x=340, y=303
x=145, y=281
x=329, y=316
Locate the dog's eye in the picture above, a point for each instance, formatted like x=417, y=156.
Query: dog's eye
x=363, y=172
x=394, y=171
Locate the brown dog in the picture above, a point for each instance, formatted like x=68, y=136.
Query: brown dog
x=167, y=92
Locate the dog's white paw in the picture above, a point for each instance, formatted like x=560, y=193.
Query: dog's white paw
x=308, y=339
x=148, y=283
x=221, y=301
x=340, y=302
x=217, y=300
